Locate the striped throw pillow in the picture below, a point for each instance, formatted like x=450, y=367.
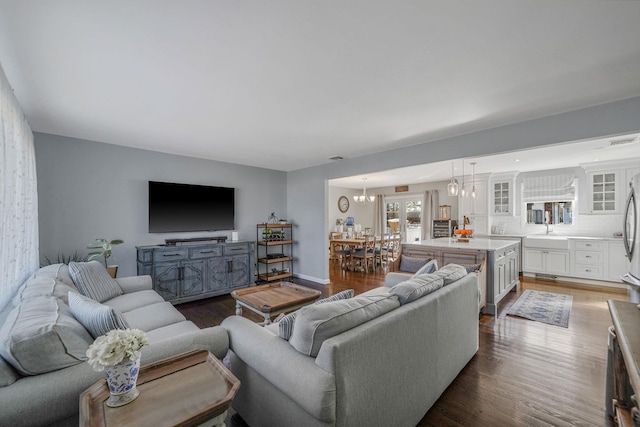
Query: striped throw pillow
x=97, y=318
x=93, y=281
x=285, y=325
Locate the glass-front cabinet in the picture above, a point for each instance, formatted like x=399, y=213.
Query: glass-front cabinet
x=603, y=192
x=502, y=197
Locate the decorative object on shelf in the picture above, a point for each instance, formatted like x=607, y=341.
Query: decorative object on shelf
x=363, y=198
x=465, y=233
x=343, y=204
x=473, y=180
x=105, y=252
x=452, y=187
x=272, y=218
x=117, y=353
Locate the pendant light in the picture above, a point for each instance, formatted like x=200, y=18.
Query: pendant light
x=363, y=198
x=473, y=180
x=463, y=190
x=452, y=188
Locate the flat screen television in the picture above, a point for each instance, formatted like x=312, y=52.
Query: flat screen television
x=187, y=207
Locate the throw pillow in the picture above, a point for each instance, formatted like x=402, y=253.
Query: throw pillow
x=318, y=322
x=41, y=335
x=93, y=281
x=428, y=268
x=471, y=268
x=417, y=287
x=450, y=273
x=97, y=318
x=285, y=324
x=410, y=264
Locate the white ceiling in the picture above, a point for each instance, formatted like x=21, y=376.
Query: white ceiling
x=286, y=84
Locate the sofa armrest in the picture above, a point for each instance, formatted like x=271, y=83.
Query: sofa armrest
x=392, y=279
x=283, y=366
x=135, y=283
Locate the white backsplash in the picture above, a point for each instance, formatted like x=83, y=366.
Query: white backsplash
x=584, y=225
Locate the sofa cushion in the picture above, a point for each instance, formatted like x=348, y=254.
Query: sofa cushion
x=450, y=273
x=375, y=292
x=127, y=302
x=410, y=264
x=93, y=281
x=42, y=286
x=416, y=287
x=55, y=271
x=316, y=323
x=428, y=268
x=471, y=268
x=285, y=325
x=41, y=335
x=153, y=316
x=8, y=375
x=171, y=331
x=97, y=318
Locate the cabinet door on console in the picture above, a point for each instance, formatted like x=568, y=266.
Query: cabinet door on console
x=192, y=278
x=239, y=273
x=166, y=280
x=217, y=273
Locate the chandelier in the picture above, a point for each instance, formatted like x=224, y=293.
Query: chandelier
x=363, y=198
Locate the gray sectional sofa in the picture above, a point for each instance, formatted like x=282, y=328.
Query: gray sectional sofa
x=42, y=368
x=382, y=358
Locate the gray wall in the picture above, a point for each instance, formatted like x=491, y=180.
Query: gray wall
x=89, y=189
x=307, y=189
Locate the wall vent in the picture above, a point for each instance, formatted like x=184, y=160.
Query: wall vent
x=336, y=158
x=621, y=141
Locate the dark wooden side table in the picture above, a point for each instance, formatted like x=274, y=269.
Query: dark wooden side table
x=190, y=389
x=623, y=380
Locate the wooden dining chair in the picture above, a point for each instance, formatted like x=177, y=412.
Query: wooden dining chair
x=382, y=250
x=365, y=256
x=340, y=251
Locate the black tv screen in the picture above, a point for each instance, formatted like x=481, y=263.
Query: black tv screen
x=186, y=207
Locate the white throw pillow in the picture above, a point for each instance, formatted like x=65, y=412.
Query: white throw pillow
x=97, y=318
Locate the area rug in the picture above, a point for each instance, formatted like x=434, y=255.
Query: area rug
x=545, y=307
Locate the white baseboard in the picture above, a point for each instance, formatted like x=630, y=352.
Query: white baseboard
x=312, y=279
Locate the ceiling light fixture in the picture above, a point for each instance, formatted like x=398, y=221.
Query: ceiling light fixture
x=473, y=180
x=363, y=198
x=452, y=187
x=463, y=190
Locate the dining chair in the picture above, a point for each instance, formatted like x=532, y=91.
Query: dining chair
x=340, y=251
x=382, y=250
x=365, y=256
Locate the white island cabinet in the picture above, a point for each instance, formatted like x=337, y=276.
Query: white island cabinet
x=497, y=278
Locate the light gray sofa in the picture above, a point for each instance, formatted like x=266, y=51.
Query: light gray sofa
x=52, y=398
x=388, y=370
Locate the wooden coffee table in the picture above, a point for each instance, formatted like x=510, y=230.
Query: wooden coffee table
x=272, y=299
x=190, y=389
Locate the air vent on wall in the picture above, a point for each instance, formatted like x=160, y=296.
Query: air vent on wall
x=336, y=158
x=621, y=141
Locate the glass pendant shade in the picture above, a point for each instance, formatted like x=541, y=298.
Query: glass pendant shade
x=452, y=187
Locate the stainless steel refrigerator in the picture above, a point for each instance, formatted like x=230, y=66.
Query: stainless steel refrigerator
x=630, y=235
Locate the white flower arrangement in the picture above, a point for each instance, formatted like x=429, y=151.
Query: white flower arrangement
x=116, y=345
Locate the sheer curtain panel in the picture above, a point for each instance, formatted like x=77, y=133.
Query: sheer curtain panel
x=18, y=195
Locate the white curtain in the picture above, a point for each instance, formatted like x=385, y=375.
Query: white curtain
x=430, y=202
x=18, y=195
x=379, y=226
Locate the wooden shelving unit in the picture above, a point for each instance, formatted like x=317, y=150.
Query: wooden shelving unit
x=274, y=252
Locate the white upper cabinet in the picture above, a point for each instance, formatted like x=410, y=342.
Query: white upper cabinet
x=603, y=191
x=502, y=193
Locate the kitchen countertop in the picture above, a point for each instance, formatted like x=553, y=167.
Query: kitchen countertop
x=474, y=243
x=554, y=236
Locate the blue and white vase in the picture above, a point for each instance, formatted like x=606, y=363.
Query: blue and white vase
x=121, y=380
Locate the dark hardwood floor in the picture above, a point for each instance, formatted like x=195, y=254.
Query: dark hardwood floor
x=525, y=373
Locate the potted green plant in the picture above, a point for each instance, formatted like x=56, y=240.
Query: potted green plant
x=105, y=252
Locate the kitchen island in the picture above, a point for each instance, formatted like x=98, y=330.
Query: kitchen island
x=500, y=261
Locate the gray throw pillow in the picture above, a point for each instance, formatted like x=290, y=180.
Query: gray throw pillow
x=93, y=281
x=410, y=264
x=428, y=268
x=285, y=325
x=416, y=287
x=97, y=318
